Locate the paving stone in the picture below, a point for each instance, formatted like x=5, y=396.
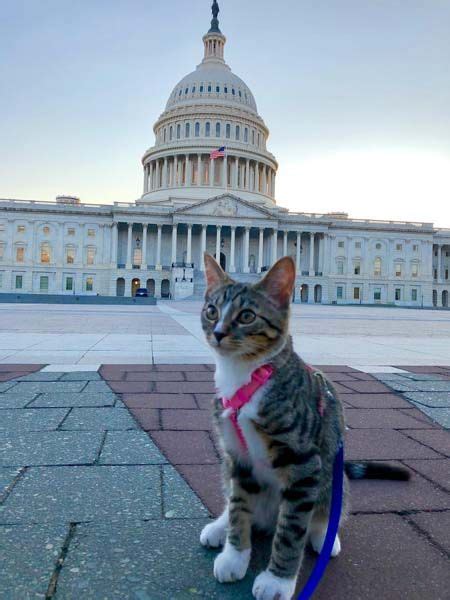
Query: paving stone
x=431, y=386
x=436, y=470
x=422, y=377
x=394, y=496
x=49, y=448
x=419, y=416
x=206, y=480
x=43, y=419
x=437, y=526
x=73, y=399
x=180, y=367
x=205, y=401
x=378, y=387
x=186, y=419
x=7, y=385
x=199, y=376
x=13, y=400
x=159, y=400
x=12, y=375
x=157, y=560
x=186, y=447
x=185, y=387
x=49, y=387
x=81, y=376
x=358, y=418
x=148, y=418
x=132, y=387
x=29, y=557
x=154, y=376
x=7, y=476
x=438, y=439
x=130, y=448
x=383, y=444
x=440, y=415
x=99, y=419
x=335, y=369
x=432, y=399
x=42, y=376
x=376, y=401
x=30, y=368
x=179, y=501
x=84, y=493
x=97, y=387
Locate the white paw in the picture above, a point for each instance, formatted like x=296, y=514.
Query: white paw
x=318, y=540
x=231, y=564
x=214, y=534
x=268, y=586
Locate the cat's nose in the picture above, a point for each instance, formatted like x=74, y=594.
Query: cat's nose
x=219, y=335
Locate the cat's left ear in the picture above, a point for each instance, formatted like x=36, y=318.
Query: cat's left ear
x=279, y=282
x=215, y=275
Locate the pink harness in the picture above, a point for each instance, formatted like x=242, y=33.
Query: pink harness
x=245, y=393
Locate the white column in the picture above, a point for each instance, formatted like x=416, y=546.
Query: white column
x=311, y=254
x=321, y=253
x=145, y=179
x=264, y=180
x=175, y=171
x=157, y=174
x=174, y=243
x=225, y=171
x=114, y=244
x=144, y=246
x=298, y=256
x=246, y=249
x=349, y=256
x=218, y=230
x=211, y=172
x=233, y=249
x=236, y=172
x=439, y=263
x=199, y=173
x=164, y=175
x=128, y=264
x=274, y=246
x=285, y=241
x=260, y=249
x=247, y=174
x=158, y=249
x=189, y=244
x=256, y=176
x=273, y=183
x=188, y=170
x=203, y=246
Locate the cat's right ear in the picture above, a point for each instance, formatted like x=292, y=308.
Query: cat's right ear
x=214, y=274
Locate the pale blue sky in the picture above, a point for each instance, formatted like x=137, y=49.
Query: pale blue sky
x=356, y=94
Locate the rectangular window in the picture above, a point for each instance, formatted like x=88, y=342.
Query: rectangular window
x=357, y=268
x=20, y=254
x=415, y=248
x=398, y=294
x=90, y=256
x=414, y=270
x=89, y=284
x=91, y=232
x=340, y=267
x=398, y=270
x=45, y=253
x=377, y=294
x=340, y=244
x=414, y=295
x=356, y=293
x=70, y=256
x=19, y=282
x=339, y=292
x=71, y=231
x=20, y=228
x=358, y=245
x=399, y=247
x=69, y=284
x=137, y=256
x=43, y=283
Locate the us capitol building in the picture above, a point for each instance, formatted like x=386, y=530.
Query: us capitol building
x=225, y=206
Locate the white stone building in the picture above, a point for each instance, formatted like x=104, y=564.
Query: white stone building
x=226, y=206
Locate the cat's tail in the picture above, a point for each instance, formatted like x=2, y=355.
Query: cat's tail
x=375, y=470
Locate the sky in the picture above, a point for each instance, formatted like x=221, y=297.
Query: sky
x=356, y=94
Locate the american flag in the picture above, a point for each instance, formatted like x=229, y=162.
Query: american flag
x=217, y=153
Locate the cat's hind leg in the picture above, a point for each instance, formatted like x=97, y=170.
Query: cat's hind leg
x=214, y=534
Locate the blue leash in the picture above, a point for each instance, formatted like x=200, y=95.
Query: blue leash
x=333, y=527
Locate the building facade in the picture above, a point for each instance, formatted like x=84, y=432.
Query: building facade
x=225, y=206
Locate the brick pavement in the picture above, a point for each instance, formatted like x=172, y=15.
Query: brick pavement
x=93, y=507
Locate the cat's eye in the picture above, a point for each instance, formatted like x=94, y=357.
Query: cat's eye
x=212, y=313
x=246, y=317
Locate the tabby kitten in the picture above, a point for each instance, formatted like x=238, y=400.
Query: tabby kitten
x=281, y=481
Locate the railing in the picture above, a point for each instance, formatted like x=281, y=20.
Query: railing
x=182, y=265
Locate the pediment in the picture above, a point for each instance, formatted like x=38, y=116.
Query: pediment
x=226, y=205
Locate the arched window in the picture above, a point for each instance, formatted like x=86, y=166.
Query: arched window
x=209, y=88
x=187, y=130
x=193, y=89
x=171, y=133
x=377, y=267
x=165, y=134
x=259, y=139
x=178, y=131
x=246, y=135
x=253, y=136
x=201, y=89
x=218, y=89
x=217, y=129
x=197, y=129
x=207, y=129
x=228, y=131
x=233, y=91
x=45, y=252
x=238, y=132
x=225, y=89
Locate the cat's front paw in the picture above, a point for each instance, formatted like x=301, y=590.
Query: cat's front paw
x=214, y=534
x=231, y=564
x=268, y=586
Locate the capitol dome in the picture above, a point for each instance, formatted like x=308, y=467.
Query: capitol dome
x=209, y=109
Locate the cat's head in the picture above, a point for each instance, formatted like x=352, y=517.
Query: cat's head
x=243, y=320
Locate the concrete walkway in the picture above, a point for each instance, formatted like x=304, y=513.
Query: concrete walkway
x=107, y=477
